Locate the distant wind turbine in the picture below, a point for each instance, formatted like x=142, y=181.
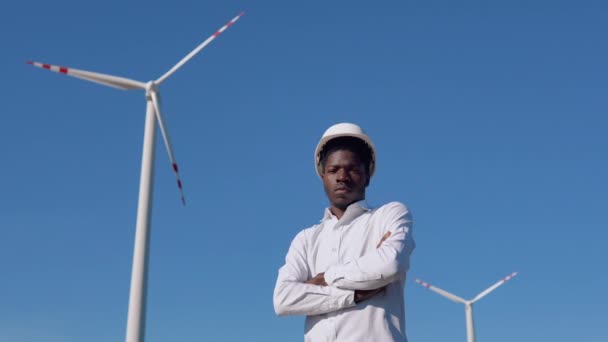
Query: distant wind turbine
x=139, y=275
x=468, y=304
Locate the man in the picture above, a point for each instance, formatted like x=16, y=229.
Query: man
x=347, y=273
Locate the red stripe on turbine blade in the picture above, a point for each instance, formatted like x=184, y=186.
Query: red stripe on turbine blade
x=179, y=183
x=29, y=62
x=229, y=23
x=63, y=70
x=175, y=167
x=217, y=33
x=46, y=66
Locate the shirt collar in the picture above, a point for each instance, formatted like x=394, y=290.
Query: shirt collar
x=353, y=211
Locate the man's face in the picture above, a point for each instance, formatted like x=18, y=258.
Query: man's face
x=344, y=178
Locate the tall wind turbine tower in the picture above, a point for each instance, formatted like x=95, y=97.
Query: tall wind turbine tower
x=139, y=274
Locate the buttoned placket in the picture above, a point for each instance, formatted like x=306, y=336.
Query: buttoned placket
x=337, y=227
x=337, y=242
x=336, y=239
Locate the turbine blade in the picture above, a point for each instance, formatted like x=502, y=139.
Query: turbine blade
x=197, y=49
x=493, y=287
x=108, y=80
x=444, y=293
x=163, y=130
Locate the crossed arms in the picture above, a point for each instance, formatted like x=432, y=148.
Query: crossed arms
x=343, y=286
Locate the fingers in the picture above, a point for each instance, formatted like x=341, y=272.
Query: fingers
x=379, y=291
x=319, y=279
x=384, y=237
x=363, y=295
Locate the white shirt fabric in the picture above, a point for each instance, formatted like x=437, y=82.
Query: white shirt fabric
x=347, y=251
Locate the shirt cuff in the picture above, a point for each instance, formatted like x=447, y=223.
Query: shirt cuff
x=332, y=274
x=343, y=298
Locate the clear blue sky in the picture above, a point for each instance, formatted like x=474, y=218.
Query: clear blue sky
x=490, y=119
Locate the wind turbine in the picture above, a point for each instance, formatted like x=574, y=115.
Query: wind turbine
x=139, y=273
x=468, y=304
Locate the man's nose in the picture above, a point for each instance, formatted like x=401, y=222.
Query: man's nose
x=342, y=175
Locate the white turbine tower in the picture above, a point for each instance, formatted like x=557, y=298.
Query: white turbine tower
x=468, y=304
x=139, y=275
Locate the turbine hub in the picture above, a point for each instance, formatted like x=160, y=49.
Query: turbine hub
x=151, y=86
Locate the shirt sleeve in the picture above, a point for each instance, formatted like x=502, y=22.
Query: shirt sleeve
x=384, y=264
x=292, y=296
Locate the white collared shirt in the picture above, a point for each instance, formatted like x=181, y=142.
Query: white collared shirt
x=347, y=251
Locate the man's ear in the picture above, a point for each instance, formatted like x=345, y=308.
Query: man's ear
x=367, y=180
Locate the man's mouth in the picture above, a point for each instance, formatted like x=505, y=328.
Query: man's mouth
x=342, y=190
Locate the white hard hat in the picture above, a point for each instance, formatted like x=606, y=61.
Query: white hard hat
x=344, y=130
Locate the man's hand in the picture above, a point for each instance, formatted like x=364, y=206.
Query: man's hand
x=384, y=237
x=319, y=279
x=361, y=295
